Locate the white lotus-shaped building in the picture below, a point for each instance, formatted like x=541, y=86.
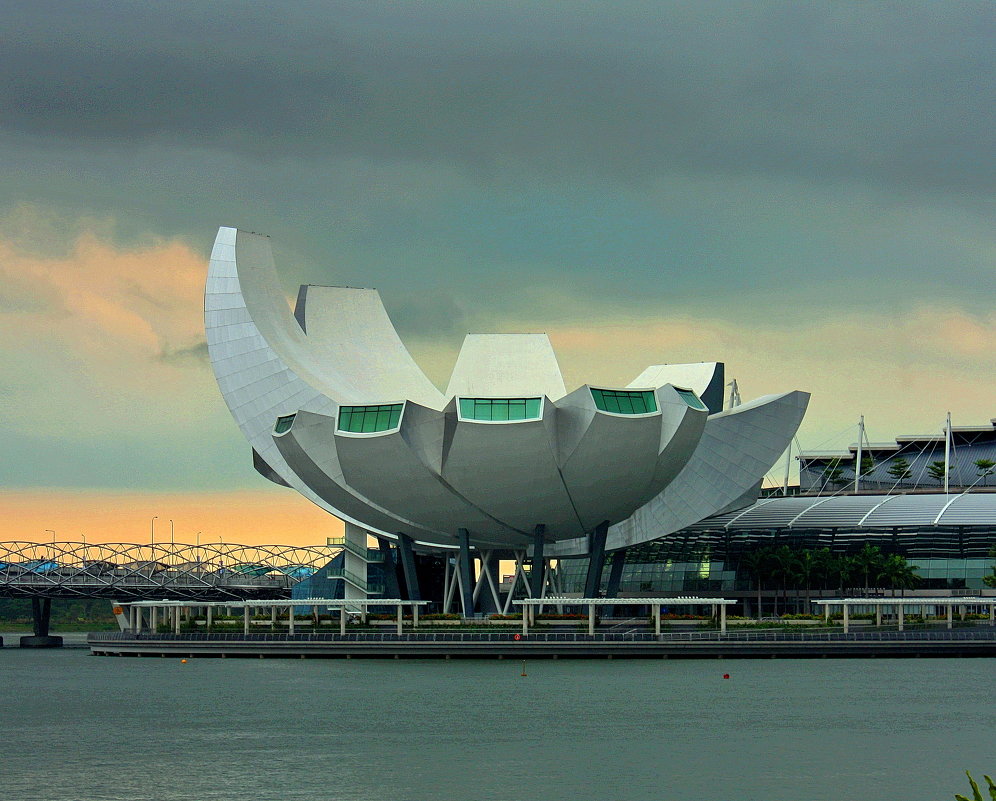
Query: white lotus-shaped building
x=334, y=406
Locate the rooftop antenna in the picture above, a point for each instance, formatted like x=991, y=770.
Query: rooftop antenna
x=734, y=399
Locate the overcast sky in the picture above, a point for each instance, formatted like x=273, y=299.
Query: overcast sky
x=802, y=190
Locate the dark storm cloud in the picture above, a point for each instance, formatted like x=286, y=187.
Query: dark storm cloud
x=896, y=93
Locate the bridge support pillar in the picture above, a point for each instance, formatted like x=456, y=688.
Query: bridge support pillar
x=41, y=612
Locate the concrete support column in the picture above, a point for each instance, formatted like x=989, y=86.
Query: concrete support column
x=407, y=556
x=826, y=614
x=539, y=565
x=392, y=588
x=400, y=620
x=591, y=618
x=961, y=612
x=722, y=618
x=847, y=618
x=992, y=614
x=245, y=619
x=208, y=617
x=290, y=619
x=273, y=617
x=900, y=609
x=342, y=619
x=353, y=563
x=525, y=620
x=136, y=619
x=415, y=616
x=176, y=619
x=466, y=579
x=655, y=612
x=153, y=618
x=878, y=614
x=615, y=573
x=949, y=616
x=596, y=560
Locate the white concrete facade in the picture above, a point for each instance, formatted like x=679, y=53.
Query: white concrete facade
x=334, y=406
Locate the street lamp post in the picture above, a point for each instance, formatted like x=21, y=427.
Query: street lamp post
x=154, y=528
x=170, y=532
x=198, y=538
x=52, y=532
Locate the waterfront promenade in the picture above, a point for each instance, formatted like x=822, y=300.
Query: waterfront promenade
x=969, y=641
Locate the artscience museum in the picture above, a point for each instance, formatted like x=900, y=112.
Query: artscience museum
x=505, y=464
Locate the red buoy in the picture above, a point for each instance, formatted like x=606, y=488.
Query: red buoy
x=726, y=675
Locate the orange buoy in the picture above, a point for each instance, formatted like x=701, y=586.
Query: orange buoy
x=183, y=661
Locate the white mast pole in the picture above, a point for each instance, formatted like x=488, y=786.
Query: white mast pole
x=788, y=462
x=947, y=451
x=857, y=463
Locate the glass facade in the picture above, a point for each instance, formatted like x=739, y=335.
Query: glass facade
x=691, y=399
x=369, y=419
x=284, y=424
x=500, y=409
x=619, y=401
x=709, y=560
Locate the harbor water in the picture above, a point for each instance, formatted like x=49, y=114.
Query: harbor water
x=82, y=728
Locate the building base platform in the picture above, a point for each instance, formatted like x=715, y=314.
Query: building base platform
x=975, y=641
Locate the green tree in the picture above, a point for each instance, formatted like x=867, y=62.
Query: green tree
x=867, y=465
x=833, y=473
x=937, y=471
x=784, y=562
x=897, y=574
x=756, y=563
x=976, y=793
x=985, y=469
x=807, y=569
x=899, y=468
x=869, y=562
x=990, y=580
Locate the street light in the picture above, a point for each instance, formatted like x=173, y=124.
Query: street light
x=52, y=532
x=170, y=532
x=154, y=529
x=198, y=537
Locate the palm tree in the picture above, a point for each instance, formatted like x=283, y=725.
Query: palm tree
x=783, y=566
x=756, y=564
x=897, y=573
x=868, y=561
x=807, y=566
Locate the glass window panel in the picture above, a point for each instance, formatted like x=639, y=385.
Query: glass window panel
x=284, y=424
x=500, y=409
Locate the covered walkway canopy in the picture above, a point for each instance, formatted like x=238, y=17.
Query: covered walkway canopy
x=172, y=609
x=529, y=605
x=901, y=603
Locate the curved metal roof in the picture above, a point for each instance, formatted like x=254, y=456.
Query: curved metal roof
x=861, y=511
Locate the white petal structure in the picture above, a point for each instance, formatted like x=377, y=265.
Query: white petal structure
x=335, y=407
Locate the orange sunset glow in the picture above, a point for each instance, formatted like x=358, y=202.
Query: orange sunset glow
x=256, y=517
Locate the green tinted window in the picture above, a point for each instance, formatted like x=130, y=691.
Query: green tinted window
x=620, y=401
x=284, y=424
x=369, y=419
x=500, y=409
x=691, y=398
